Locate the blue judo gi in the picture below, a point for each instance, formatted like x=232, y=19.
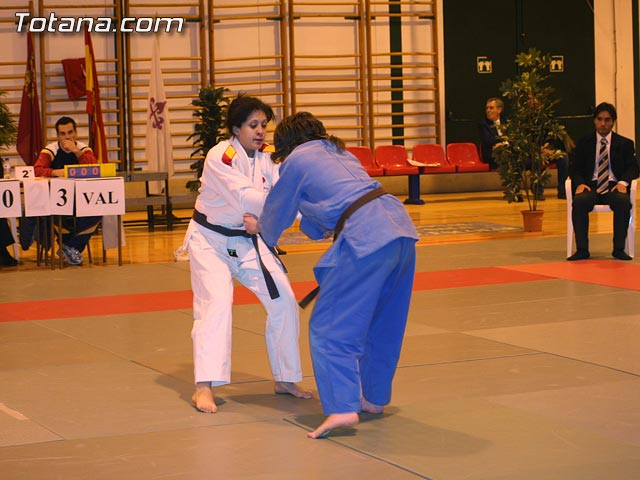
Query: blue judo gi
x=365, y=277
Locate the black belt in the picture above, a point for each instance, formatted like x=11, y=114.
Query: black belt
x=201, y=219
x=350, y=210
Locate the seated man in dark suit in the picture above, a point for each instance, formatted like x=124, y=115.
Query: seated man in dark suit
x=490, y=130
x=490, y=133
x=603, y=165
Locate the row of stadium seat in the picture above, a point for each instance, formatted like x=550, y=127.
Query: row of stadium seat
x=427, y=158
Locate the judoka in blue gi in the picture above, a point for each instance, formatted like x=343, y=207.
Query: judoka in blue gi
x=365, y=277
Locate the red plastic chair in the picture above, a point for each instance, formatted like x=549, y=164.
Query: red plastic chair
x=432, y=154
x=393, y=160
x=465, y=157
x=365, y=155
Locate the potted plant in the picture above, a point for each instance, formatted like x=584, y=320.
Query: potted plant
x=525, y=152
x=211, y=109
x=8, y=129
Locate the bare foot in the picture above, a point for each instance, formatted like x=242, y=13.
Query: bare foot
x=369, y=407
x=203, y=398
x=290, y=388
x=334, y=420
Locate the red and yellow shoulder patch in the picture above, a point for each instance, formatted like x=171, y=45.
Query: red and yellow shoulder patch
x=267, y=148
x=228, y=155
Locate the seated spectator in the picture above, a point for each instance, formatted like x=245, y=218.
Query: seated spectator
x=490, y=130
x=6, y=239
x=603, y=165
x=490, y=134
x=67, y=150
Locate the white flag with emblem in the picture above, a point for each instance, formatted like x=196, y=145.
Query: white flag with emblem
x=159, y=150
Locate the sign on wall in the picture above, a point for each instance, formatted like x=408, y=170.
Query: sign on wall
x=557, y=64
x=484, y=65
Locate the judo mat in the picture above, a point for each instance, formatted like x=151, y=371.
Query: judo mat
x=516, y=365
x=481, y=438
x=600, y=272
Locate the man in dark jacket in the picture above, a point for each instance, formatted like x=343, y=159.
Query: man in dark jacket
x=490, y=130
x=603, y=165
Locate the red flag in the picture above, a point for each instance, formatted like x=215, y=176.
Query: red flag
x=97, y=139
x=74, y=77
x=29, y=141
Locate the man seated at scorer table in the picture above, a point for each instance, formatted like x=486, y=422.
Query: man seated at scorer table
x=67, y=150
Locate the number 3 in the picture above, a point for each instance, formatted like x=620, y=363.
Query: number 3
x=63, y=196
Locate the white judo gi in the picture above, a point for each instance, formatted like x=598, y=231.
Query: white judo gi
x=233, y=184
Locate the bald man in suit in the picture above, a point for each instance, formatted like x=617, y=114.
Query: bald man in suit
x=622, y=169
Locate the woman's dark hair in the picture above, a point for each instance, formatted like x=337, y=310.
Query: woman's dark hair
x=297, y=129
x=242, y=107
x=606, y=107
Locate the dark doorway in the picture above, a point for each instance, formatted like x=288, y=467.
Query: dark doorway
x=480, y=43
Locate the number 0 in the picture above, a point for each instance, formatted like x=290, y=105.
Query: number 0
x=7, y=198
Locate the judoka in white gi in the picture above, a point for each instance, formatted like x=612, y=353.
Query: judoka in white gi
x=365, y=277
x=238, y=173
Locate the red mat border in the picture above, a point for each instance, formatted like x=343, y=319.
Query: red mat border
x=606, y=273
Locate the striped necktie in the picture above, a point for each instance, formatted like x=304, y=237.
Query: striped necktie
x=603, y=168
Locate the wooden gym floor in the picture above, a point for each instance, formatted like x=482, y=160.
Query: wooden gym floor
x=516, y=364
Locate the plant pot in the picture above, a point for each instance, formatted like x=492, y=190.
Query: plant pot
x=532, y=220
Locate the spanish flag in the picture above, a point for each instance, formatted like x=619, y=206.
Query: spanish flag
x=97, y=139
x=29, y=140
x=227, y=156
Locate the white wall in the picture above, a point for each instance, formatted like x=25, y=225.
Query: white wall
x=614, y=60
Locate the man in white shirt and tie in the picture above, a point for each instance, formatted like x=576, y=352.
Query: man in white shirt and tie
x=603, y=165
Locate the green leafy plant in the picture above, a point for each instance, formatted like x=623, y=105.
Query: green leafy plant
x=8, y=128
x=530, y=130
x=211, y=111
